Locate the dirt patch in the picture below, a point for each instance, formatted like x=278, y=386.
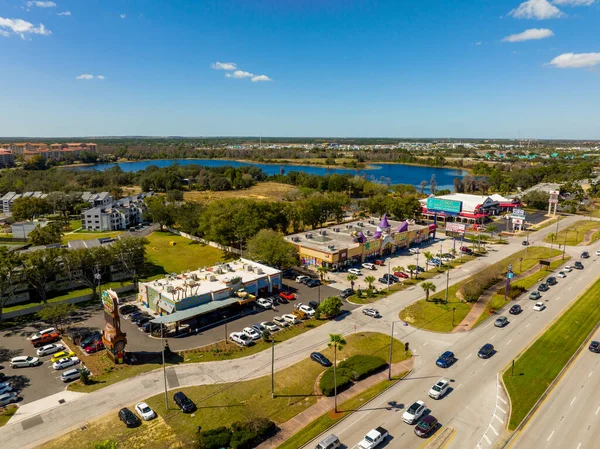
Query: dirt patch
x=588, y=238
x=264, y=191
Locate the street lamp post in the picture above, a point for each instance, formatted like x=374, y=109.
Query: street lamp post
x=453, y=310
x=564, y=245
x=388, y=276
x=447, y=283
x=226, y=339
x=162, y=346
x=417, y=269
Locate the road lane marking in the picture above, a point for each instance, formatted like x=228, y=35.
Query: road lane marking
x=509, y=342
x=487, y=439
x=573, y=400
x=590, y=375
x=425, y=344
x=502, y=410
x=579, y=445
x=493, y=430
x=468, y=356
x=597, y=410
x=529, y=324
x=486, y=362
x=498, y=418
x=550, y=436
x=459, y=386
x=493, y=336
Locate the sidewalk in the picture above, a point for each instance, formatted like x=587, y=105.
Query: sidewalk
x=325, y=404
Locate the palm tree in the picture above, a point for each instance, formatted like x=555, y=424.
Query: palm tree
x=336, y=341
x=395, y=269
x=322, y=270
x=351, y=278
x=423, y=185
x=428, y=287
x=369, y=280
x=412, y=269
x=491, y=229
x=428, y=256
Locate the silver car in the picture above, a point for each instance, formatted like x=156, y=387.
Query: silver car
x=8, y=398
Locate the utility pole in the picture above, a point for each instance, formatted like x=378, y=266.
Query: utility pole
x=565, y=245
x=162, y=345
x=453, y=310
x=388, y=277
x=391, y=350
x=273, y=368
x=447, y=283
x=226, y=338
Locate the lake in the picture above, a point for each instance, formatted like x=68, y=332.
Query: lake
x=380, y=172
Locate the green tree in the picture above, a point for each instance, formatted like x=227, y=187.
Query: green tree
x=536, y=199
x=40, y=269
x=336, y=341
x=369, y=280
x=492, y=228
x=351, y=278
x=106, y=444
x=322, y=272
x=412, y=269
x=160, y=212
x=51, y=233
x=131, y=252
x=331, y=306
x=428, y=255
x=26, y=209
x=398, y=268
x=271, y=248
x=428, y=287
x=56, y=314
x=88, y=265
x=9, y=275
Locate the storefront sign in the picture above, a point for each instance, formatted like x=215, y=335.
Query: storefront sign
x=518, y=214
x=443, y=205
x=456, y=227
x=554, y=196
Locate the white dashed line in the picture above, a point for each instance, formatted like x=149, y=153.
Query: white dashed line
x=590, y=375
x=550, y=436
x=573, y=400
x=468, y=356
x=597, y=410
x=486, y=362
x=529, y=324
x=509, y=342
x=579, y=445
x=493, y=430
x=493, y=336
x=558, y=298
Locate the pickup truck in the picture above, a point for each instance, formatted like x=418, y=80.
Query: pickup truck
x=374, y=438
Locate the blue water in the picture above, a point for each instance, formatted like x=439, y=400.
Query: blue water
x=381, y=172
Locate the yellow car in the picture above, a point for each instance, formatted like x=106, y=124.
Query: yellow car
x=61, y=355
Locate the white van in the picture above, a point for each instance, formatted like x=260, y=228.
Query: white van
x=69, y=375
x=330, y=442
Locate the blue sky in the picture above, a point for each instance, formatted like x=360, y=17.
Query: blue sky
x=426, y=68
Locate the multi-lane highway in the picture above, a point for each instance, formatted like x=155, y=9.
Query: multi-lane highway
x=570, y=416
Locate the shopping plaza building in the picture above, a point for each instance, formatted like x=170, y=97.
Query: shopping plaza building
x=358, y=241
x=465, y=208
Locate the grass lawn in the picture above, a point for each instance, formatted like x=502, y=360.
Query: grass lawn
x=438, y=316
x=88, y=235
x=223, y=404
x=268, y=191
x=539, y=365
x=576, y=233
x=6, y=413
x=74, y=224
x=546, y=223
x=186, y=254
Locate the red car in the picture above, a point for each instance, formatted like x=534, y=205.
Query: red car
x=94, y=347
x=287, y=295
x=400, y=274
x=379, y=262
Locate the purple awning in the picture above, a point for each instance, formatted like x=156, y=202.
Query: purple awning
x=383, y=224
x=377, y=235
x=403, y=227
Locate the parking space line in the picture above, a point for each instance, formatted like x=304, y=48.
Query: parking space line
x=425, y=344
x=487, y=439
x=502, y=400
x=579, y=445
x=590, y=375
x=498, y=418
x=597, y=410
x=486, y=362
x=493, y=430
x=509, y=342
x=573, y=400
x=550, y=436
x=501, y=409
x=467, y=358
x=493, y=336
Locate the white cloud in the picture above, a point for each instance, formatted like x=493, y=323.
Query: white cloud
x=123, y=15
x=536, y=9
x=22, y=27
x=573, y=2
x=239, y=74
x=85, y=76
x=529, y=35
x=575, y=60
x=100, y=77
x=4, y=33
x=224, y=66
x=42, y=4
x=66, y=13
x=261, y=78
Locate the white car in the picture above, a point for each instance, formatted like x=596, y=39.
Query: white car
x=252, y=333
x=65, y=363
x=264, y=303
x=5, y=387
x=598, y=252
x=280, y=321
x=144, y=410
x=270, y=326
x=439, y=390
x=240, y=338
x=292, y=319
x=568, y=268
x=24, y=361
x=374, y=313
x=561, y=274
x=42, y=332
x=306, y=309
x=413, y=251
x=539, y=306
x=50, y=349
x=414, y=412
x=70, y=374
x=301, y=279
x=355, y=271
x=369, y=266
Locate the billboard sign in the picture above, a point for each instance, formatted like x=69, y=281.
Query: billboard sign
x=518, y=214
x=456, y=227
x=444, y=205
x=517, y=221
x=554, y=196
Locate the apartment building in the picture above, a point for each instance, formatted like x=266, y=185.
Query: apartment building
x=7, y=158
x=9, y=198
x=118, y=215
x=53, y=151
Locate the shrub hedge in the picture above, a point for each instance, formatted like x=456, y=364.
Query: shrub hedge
x=354, y=368
x=241, y=435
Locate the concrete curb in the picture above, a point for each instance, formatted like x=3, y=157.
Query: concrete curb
x=441, y=440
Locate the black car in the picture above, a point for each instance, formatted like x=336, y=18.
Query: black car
x=391, y=277
x=551, y=281
x=87, y=341
x=578, y=265
x=129, y=418
x=141, y=320
x=288, y=273
x=146, y=326
x=127, y=309
x=525, y=243
x=183, y=402
x=313, y=304
x=543, y=288
x=274, y=300
x=282, y=300
x=135, y=315
x=515, y=310
x=426, y=426
x=313, y=283
x=585, y=255
x=486, y=351
x=346, y=293
x=320, y=359
x=595, y=346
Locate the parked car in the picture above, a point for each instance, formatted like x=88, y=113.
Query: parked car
x=240, y=338
x=8, y=398
x=62, y=355
x=595, y=346
x=585, y=255
x=94, y=347
x=262, y=302
x=329, y=442
x=551, y=281
x=413, y=250
x=426, y=426
x=384, y=279
x=134, y=315
x=280, y=321
x=320, y=359
x=65, y=363
x=401, y=274
x=561, y=274
x=44, y=339
x=49, y=330
x=346, y=293
x=50, y=349
x=146, y=327
x=301, y=279
x=466, y=250
x=369, y=266
x=288, y=273
x=141, y=320
x=270, y=326
x=515, y=310
x=287, y=296
x=414, y=412
x=501, y=321
x=439, y=390
x=486, y=351
x=306, y=309
x=258, y=328
x=535, y=295
x=145, y=412
x=525, y=243
x=290, y=318
x=183, y=402
x=539, y=306
x=355, y=271
x=543, y=288
x=371, y=312
x=567, y=268
x=252, y=333
x=24, y=361
x=129, y=418
x=379, y=262
x=311, y=283
x=598, y=252
x=313, y=304
x=446, y=360
x=578, y=265
x=128, y=308
x=70, y=374
x=5, y=387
